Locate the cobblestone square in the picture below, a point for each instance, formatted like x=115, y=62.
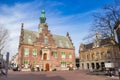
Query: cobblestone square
x=56, y=75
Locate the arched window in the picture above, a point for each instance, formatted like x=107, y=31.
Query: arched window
x=45, y=56
x=26, y=51
x=88, y=65
x=45, y=39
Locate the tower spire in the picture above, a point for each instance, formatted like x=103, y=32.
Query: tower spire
x=42, y=18
x=96, y=35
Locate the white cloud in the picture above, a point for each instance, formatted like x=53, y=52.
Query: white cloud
x=28, y=13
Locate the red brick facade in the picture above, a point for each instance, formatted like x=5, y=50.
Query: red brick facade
x=44, y=50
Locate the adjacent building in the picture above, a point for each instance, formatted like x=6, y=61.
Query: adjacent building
x=94, y=55
x=43, y=50
x=14, y=61
x=77, y=62
x=117, y=28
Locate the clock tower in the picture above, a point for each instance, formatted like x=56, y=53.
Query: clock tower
x=42, y=25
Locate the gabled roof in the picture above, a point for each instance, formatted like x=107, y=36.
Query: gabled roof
x=102, y=43
x=30, y=35
x=60, y=41
x=89, y=46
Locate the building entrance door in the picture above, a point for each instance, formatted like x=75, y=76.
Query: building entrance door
x=47, y=67
x=97, y=66
x=93, y=65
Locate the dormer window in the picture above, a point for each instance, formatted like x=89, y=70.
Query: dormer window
x=96, y=44
x=60, y=42
x=29, y=40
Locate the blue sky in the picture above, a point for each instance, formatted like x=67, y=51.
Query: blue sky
x=73, y=16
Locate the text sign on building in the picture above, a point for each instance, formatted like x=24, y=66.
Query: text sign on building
x=109, y=65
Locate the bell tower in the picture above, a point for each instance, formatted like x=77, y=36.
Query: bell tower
x=42, y=25
x=42, y=18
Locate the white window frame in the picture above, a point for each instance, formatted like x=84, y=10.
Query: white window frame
x=63, y=54
x=26, y=52
x=46, y=40
x=35, y=53
x=55, y=54
x=63, y=64
x=26, y=65
x=70, y=55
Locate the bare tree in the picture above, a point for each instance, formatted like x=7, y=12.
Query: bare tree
x=105, y=20
x=3, y=38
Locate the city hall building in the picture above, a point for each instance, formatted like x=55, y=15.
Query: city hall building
x=96, y=54
x=43, y=50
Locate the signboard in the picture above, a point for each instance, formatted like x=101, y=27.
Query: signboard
x=109, y=65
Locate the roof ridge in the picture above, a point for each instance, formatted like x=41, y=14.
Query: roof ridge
x=58, y=35
x=30, y=30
